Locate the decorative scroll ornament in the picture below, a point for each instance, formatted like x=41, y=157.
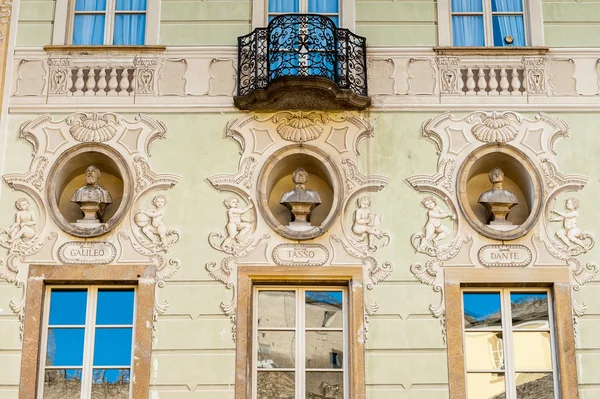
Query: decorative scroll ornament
x=451, y=245
x=42, y=233
x=247, y=238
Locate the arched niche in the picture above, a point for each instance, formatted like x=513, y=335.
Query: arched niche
x=275, y=179
x=520, y=177
x=68, y=174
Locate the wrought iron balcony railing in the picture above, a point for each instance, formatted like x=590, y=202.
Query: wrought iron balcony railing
x=304, y=56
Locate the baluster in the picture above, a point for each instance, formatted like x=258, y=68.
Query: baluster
x=493, y=84
x=70, y=82
x=504, y=85
x=101, y=82
x=481, y=83
x=470, y=82
x=79, y=83
x=124, y=82
x=515, y=82
x=90, y=82
x=112, y=82
x=461, y=82
x=133, y=83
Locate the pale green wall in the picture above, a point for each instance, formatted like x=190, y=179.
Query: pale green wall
x=35, y=22
x=569, y=23
x=405, y=354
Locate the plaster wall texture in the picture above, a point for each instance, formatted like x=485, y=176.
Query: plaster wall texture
x=193, y=354
x=385, y=23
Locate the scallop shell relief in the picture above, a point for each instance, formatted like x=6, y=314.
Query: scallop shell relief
x=300, y=127
x=98, y=128
x=494, y=129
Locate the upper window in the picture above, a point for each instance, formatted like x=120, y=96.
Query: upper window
x=330, y=8
x=300, y=343
x=509, y=341
x=109, y=22
x=488, y=23
x=87, y=342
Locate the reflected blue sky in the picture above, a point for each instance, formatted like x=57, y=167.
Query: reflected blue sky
x=480, y=305
x=65, y=347
x=527, y=297
x=112, y=347
x=68, y=307
x=330, y=297
x=115, y=307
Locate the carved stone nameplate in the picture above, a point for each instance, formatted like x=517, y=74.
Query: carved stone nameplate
x=74, y=252
x=300, y=255
x=504, y=256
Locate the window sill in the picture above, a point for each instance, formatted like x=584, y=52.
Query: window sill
x=103, y=49
x=511, y=51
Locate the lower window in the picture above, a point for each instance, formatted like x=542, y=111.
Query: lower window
x=87, y=342
x=300, y=342
x=509, y=344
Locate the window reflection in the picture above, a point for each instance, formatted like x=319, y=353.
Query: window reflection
x=482, y=309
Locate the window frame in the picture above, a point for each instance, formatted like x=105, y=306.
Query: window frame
x=90, y=327
x=42, y=276
x=532, y=16
x=300, y=330
x=506, y=328
x=350, y=277
x=65, y=17
x=556, y=280
x=346, y=14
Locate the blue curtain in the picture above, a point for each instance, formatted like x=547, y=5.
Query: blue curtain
x=323, y=6
x=130, y=29
x=468, y=31
x=284, y=6
x=467, y=6
x=508, y=25
x=88, y=29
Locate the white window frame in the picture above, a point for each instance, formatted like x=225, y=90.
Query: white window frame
x=88, y=343
x=346, y=14
x=507, y=341
x=300, y=330
x=65, y=16
x=532, y=16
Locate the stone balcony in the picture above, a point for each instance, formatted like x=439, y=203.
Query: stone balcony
x=205, y=79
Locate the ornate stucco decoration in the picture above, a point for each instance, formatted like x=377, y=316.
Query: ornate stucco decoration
x=291, y=140
x=45, y=231
x=548, y=235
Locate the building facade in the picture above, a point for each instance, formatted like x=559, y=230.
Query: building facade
x=277, y=199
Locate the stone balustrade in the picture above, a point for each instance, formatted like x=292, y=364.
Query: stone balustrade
x=204, y=79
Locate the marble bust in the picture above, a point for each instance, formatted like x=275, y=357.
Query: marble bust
x=301, y=201
x=498, y=201
x=92, y=199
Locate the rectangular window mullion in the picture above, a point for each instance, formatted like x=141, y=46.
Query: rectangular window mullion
x=511, y=386
x=300, y=344
x=88, y=354
x=487, y=22
x=110, y=22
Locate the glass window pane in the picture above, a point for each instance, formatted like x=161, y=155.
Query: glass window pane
x=529, y=310
x=88, y=30
x=276, y=309
x=276, y=349
x=129, y=5
x=68, y=307
x=130, y=29
x=485, y=386
x=115, y=307
x=532, y=350
x=323, y=6
x=65, y=347
x=467, y=31
x=335, y=21
x=62, y=383
x=276, y=385
x=504, y=26
x=484, y=350
x=112, y=347
x=467, y=6
x=324, y=309
x=90, y=5
x=324, y=349
x=284, y=5
x=507, y=5
x=110, y=383
x=482, y=309
x=535, y=386
x=324, y=385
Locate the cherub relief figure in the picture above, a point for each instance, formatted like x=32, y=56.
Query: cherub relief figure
x=365, y=222
x=24, y=225
x=570, y=234
x=155, y=228
x=236, y=226
x=434, y=231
